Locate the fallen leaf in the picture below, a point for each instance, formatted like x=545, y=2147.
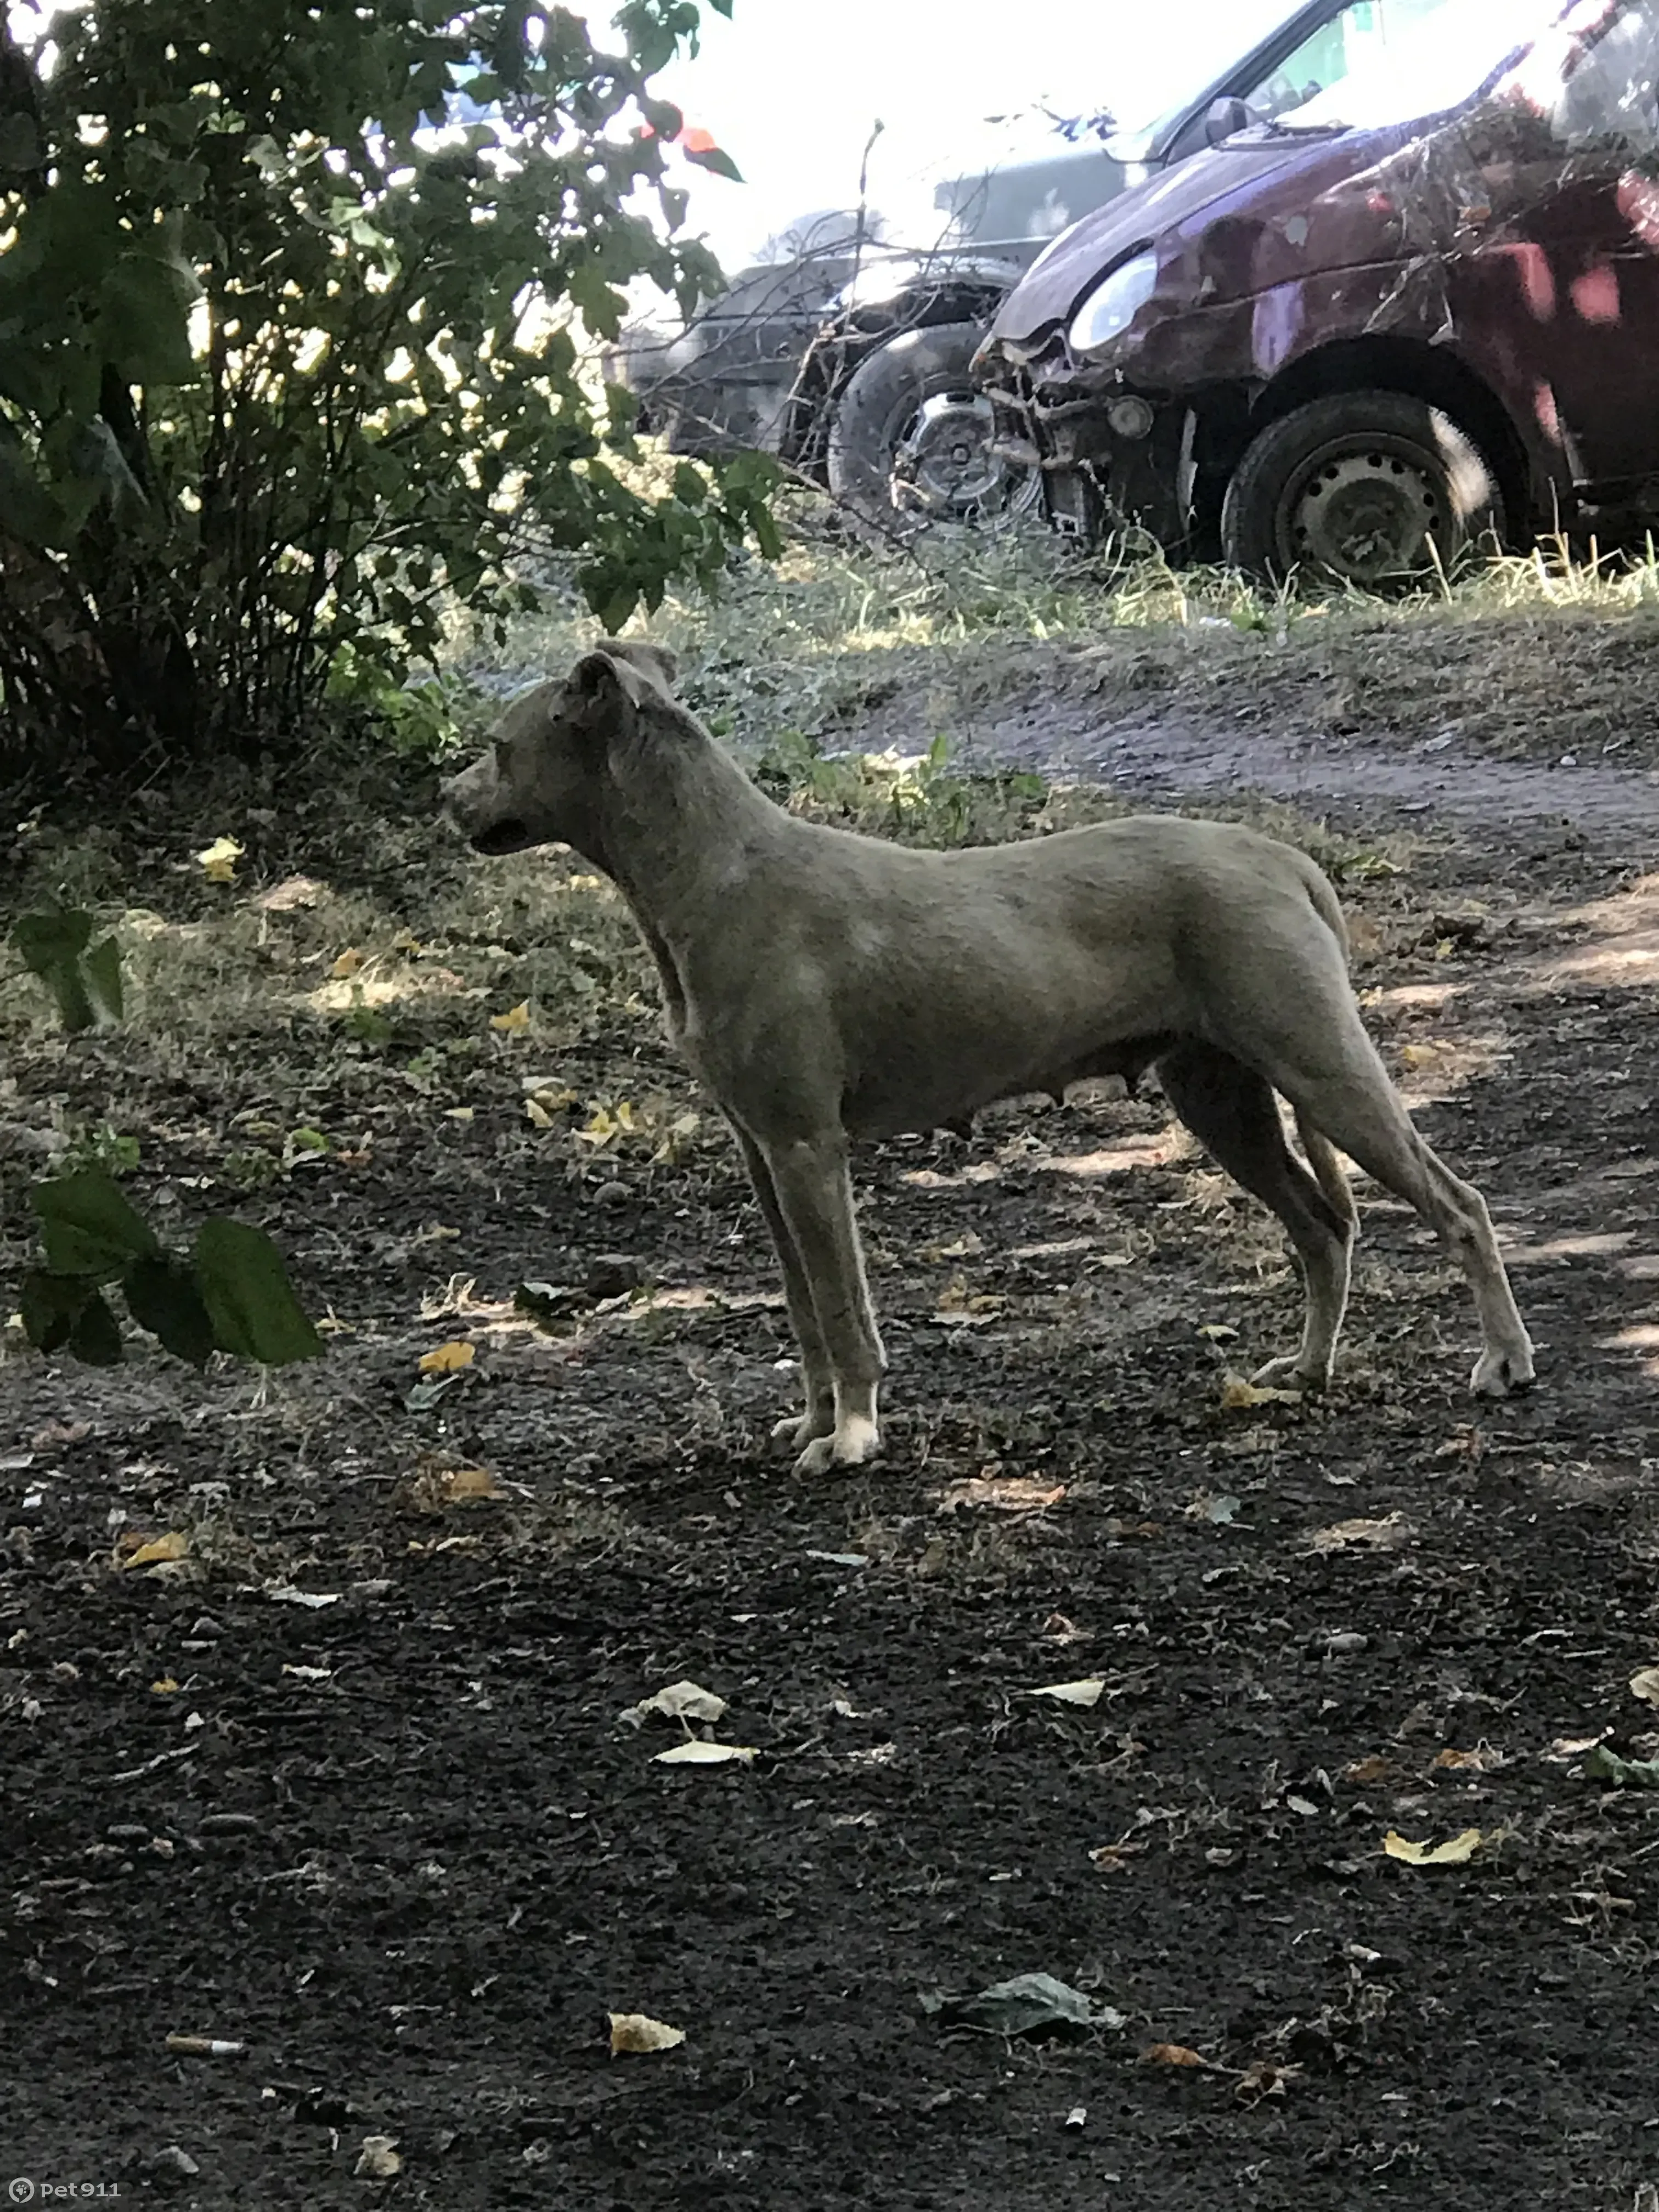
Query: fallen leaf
x=1483, y=1760
x=308, y=1674
x=1087, y=1692
x=701, y=1753
x=1458, y=1852
x=1008, y=1494
x=1263, y=2078
x=378, y=2159
x=1385, y=1536
x=293, y=891
x=1605, y=1766
x=1024, y=2006
x=1419, y=1055
x=176, y=1545
x=513, y=1020
x=448, y=1359
x=1171, y=2054
x=219, y=860
x=638, y=2031
x=1237, y=1395
x=1374, y=1769
x=164, y=1688
x=348, y=964
x=680, y=1701
x=1114, y=1858
x=435, y=1488
x=538, y=1115
x=1218, y=1510
x=1217, y=1331
x=312, y=1601
x=1645, y=1685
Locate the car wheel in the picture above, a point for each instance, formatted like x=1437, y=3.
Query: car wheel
x=910, y=438
x=1366, y=487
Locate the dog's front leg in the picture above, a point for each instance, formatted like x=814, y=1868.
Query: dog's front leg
x=819, y=1418
x=814, y=1192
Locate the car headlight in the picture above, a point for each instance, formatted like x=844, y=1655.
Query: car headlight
x=1114, y=304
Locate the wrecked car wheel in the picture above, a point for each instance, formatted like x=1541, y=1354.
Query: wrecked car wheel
x=1365, y=487
x=911, y=440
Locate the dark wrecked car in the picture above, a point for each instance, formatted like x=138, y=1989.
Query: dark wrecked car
x=1419, y=312
x=850, y=359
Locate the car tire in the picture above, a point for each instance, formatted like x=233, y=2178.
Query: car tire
x=1371, y=489
x=898, y=468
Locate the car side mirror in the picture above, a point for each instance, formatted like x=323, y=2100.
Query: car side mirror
x=1226, y=117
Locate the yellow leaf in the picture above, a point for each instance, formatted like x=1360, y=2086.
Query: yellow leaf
x=176, y=1545
x=406, y=941
x=1385, y=1536
x=458, y=1113
x=1008, y=1494
x=1237, y=1394
x=1086, y=1693
x=164, y=1688
x=1457, y=1852
x=347, y=963
x=1419, y=1056
x=638, y=2031
x=600, y=1130
x=514, y=1019
x=698, y=1753
x=448, y=1359
x=471, y=1485
x=538, y=1115
x=219, y=860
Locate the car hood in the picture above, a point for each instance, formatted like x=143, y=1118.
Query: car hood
x=1079, y=258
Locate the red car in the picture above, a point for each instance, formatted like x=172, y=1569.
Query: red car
x=1418, y=313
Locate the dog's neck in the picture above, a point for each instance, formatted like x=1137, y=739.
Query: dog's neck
x=682, y=829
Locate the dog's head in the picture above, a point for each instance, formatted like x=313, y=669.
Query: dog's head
x=538, y=783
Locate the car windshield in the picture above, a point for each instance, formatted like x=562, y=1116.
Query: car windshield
x=1438, y=64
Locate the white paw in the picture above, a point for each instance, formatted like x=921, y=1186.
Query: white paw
x=798, y=1429
x=853, y=1442
x=1500, y=1374
x=1287, y=1373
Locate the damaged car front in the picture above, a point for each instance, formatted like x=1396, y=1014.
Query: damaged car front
x=1364, y=337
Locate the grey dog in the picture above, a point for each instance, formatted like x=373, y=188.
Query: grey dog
x=825, y=985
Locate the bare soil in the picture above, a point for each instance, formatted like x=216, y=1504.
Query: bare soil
x=399, y=1843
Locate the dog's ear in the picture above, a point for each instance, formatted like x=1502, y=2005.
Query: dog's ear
x=656, y=661
x=598, y=681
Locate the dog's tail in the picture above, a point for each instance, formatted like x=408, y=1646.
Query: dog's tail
x=1326, y=1163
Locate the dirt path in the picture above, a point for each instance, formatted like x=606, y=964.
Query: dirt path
x=399, y=1842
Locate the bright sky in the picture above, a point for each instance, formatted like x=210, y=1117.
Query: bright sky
x=791, y=89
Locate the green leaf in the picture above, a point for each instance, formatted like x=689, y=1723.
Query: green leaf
x=88, y=1227
x=162, y=1296
x=720, y=164
x=249, y=1300
x=1604, y=1766
x=50, y=1305
x=96, y=1335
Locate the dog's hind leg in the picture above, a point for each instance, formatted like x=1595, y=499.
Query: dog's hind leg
x=815, y=1194
x=819, y=1418
x=1347, y=1097
x=1232, y=1111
